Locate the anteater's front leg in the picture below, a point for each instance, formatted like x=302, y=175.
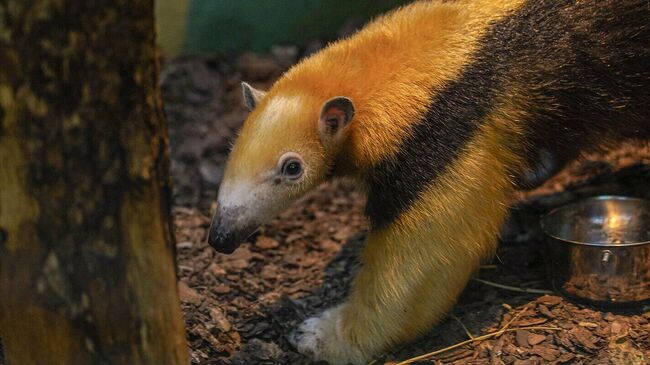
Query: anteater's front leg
x=409, y=280
x=414, y=268
x=406, y=284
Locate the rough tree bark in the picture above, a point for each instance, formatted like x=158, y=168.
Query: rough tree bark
x=86, y=262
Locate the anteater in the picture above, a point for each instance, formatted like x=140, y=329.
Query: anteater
x=439, y=111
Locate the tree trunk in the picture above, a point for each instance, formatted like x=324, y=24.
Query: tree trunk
x=86, y=262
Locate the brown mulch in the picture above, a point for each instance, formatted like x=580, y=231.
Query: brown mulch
x=239, y=308
x=249, y=300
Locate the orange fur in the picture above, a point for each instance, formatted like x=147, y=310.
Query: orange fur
x=391, y=67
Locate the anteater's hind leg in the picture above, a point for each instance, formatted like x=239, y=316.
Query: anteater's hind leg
x=541, y=168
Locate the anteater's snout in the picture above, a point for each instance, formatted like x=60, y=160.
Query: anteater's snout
x=225, y=235
x=222, y=239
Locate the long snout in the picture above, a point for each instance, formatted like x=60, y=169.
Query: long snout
x=225, y=235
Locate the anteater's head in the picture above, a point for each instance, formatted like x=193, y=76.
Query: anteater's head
x=286, y=147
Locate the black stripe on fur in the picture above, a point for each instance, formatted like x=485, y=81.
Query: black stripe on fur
x=583, y=68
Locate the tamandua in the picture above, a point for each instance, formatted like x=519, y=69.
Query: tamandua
x=439, y=111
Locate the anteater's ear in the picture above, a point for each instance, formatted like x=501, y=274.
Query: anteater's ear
x=335, y=117
x=252, y=96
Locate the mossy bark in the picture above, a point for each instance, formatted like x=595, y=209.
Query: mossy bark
x=86, y=259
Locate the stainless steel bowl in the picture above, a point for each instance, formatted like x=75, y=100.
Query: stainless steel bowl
x=598, y=250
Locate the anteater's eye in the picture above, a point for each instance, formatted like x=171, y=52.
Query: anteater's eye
x=292, y=168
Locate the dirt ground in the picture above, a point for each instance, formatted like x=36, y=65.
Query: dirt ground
x=240, y=308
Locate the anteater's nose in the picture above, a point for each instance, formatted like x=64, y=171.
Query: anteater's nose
x=221, y=237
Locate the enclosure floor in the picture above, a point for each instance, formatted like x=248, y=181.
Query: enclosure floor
x=239, y=308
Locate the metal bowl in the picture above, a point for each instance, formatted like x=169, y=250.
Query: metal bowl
x=598, y=250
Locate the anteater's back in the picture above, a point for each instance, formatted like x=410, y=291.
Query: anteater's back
x=584, y=67
x=570, y=74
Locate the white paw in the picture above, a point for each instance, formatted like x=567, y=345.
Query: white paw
x=321, y=338
x=308, y=337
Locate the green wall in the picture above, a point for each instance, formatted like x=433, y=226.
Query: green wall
x=222, y=26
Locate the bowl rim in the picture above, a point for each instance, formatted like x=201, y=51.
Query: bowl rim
x=595, y=244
